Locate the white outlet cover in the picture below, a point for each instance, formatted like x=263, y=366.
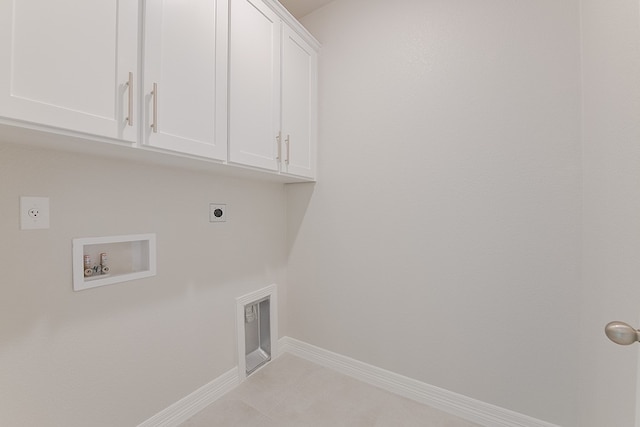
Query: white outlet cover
x=217, y=212
x=34, y=213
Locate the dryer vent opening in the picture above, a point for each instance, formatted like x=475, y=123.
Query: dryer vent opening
x=257, y=334
x=257, y=326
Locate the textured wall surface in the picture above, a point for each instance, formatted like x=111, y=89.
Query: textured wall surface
x=117, y=355
x=442, y=240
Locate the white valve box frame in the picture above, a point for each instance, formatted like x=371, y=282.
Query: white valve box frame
x=142, y=262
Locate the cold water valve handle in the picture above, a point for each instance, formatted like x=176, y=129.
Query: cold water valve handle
x=622, y=333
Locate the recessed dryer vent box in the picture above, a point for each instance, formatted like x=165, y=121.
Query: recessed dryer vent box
x=100, y=261
x=257, y=329
x=257, y=334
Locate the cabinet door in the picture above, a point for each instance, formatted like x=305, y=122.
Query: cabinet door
x=299, y=100
x=185, y=59
x=254, y=84
x=66, y=64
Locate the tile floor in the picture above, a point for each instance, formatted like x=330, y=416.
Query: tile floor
x=291, y=391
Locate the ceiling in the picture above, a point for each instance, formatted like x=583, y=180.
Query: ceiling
x=300, y=8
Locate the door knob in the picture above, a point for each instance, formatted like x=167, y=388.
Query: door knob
x=621, y=333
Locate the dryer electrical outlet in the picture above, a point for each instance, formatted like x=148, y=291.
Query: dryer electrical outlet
x=217, y=212
x=34, y=213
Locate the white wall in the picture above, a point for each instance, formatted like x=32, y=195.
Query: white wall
x=443, y=238
x=117, y=355
x=611, y=140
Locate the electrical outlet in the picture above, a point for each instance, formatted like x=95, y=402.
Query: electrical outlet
x=34, y=213
x=217, y=212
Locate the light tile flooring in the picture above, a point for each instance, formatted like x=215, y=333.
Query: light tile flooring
x=291, y=391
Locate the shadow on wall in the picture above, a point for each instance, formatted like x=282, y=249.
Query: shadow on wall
x=298, y=200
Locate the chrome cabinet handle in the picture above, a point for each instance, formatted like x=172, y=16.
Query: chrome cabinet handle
x=288, y=142
x=622, y=333
x=154, y=93
x=279, y=140
x=130, y=103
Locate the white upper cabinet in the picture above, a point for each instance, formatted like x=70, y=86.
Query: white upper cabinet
x=185, y=76
x=299, y=105
x=234, y=81
x=272, y=90
x=254, y=84
x=67, y=63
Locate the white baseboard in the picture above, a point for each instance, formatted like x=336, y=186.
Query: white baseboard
x=190, y=405
x=455, y=404
x=447, y=401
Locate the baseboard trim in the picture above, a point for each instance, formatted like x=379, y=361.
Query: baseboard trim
x=456, y=404
x=190, y=405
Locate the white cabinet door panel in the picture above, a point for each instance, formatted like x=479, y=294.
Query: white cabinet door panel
x=254, y=84
x=66, y=64
x=185, y=56
x=299, y=100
